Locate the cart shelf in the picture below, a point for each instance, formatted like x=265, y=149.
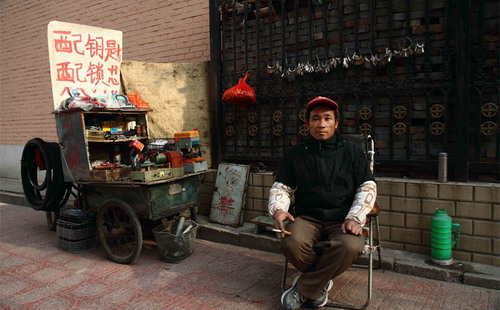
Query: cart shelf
x=117, y=140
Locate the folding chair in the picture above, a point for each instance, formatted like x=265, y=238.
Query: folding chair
x=372, y=243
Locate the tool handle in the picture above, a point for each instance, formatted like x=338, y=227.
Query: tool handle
x=180, y=225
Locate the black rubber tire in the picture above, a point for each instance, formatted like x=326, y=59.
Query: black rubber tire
x=120, y=231
x=33, y=190
x=53, y=192
x=52, y=217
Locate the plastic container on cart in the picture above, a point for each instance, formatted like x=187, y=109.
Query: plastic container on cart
x=174, y=249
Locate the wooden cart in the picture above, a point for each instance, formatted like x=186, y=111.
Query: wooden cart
x=121, y=205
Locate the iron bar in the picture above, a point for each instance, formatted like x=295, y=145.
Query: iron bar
x=427, y=70
x=257, y=37
x=408, y=60
x=270, y=26
x=355, y=25
x=479, y=77
x=408, y=104
x=233, y=32
x=309, y=6
x=461, y=160
x=296, y=17
x=245, y=25
x=215, y=78
x=325, y=28
x=283, y=44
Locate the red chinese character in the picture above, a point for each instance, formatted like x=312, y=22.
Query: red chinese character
x=95, y=46
x=224, y=211
x=68, y=126
x=226, y=201
x=67, y=92
x=96, y=73
x=64, y=73
x=78, y=67
x=113, y=50
x=62, y=44
x=73, y=157
x=113, y=71
x=76, y=43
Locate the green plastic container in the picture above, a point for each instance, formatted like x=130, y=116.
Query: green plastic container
x=442, y=237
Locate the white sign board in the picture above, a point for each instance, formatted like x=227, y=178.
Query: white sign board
x=85, y=58
x=229, y=196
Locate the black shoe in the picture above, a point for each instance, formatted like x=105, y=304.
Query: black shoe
x=322, y=300
x=291, y=299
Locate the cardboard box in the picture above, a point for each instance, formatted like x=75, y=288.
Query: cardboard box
x=95, y=134
x=110, y=175
x=152, y=175
x=195, y=167
x=187, y=134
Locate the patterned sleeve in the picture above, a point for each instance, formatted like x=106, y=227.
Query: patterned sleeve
x=279, y=198
x=363, y=203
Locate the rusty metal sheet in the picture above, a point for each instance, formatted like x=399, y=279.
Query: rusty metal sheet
x=148, y=201
x=75, y=159
x=229, y=196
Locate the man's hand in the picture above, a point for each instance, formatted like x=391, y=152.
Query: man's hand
x=350, y=226
x=279, y=217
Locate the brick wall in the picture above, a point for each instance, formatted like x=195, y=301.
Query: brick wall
x=153, y=31
x=406, y=210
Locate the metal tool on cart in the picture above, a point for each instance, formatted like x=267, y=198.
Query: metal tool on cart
x=52, y=172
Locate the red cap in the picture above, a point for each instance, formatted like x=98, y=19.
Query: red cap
x=319, y=100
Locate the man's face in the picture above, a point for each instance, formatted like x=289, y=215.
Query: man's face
x=322, y=122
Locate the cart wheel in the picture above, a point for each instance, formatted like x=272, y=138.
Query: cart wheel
x=119, y=231
x=52, y=217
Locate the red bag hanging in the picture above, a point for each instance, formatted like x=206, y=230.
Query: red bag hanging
x=240, y=94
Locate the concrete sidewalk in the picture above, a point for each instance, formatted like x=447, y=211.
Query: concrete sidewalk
x=481, y=275
x=34, y=274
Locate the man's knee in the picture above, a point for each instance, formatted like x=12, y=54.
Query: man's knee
x=291, y=246
x=352, y=245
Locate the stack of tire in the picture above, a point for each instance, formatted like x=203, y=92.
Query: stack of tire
x=51, y=193
x=76, y=230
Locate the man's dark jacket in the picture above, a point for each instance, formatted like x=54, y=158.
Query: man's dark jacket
x=325, y=175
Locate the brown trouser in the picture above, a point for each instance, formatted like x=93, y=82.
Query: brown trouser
x=316, y=269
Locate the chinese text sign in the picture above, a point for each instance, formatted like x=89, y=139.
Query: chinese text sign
x=85, y=58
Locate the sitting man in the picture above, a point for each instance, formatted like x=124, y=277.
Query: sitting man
x=334, y=190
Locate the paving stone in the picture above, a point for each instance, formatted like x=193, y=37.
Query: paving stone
x=217, y=275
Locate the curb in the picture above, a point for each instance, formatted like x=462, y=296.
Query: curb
x=13, y=198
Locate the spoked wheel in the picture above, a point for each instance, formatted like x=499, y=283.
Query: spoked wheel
x=119, y=231
x=52, y=217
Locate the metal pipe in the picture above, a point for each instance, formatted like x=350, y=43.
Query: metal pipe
x=443, y=168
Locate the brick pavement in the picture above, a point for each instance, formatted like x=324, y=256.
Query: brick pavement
x=34, y=274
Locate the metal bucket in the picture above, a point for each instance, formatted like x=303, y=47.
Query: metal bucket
x=174, y=248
